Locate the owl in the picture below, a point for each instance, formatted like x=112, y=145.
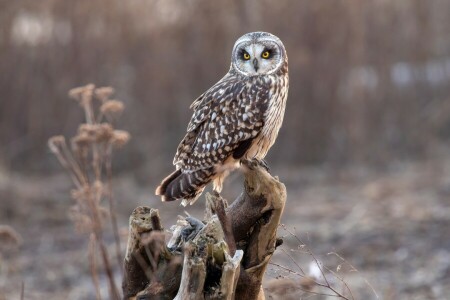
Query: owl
x=237, y=118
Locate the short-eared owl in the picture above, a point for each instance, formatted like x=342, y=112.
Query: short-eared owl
x=237, y=118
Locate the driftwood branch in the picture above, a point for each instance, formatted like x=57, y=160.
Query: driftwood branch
x=223, y=257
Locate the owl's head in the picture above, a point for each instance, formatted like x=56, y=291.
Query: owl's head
x=258, y=53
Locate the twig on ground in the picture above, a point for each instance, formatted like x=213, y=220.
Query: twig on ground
x=353, y=269
x=326, y=283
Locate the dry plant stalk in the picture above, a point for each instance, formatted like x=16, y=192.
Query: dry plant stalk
x=88, y=159
x=9, y=237
x=327, y=280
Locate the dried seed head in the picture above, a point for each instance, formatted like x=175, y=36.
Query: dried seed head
x=112, y=108
x=86, y=128
x=75, y=93
x=120, y=138
x=98, y=185
x=87, y=132
x=83, y=222
x=82, y=193
x=103, y=93
x=56, y=142
x=82, y=94
x=81, y=140
x=77, y=194
x=95, y=132
x=104, y=132
x=307, y=283
x=97, y=189
x=9, y=237
x=86, y=96
x=104, y=213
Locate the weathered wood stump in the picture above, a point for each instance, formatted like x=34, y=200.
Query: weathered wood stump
x=223, y=257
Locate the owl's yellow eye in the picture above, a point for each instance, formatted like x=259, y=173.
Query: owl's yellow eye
x=246, y=56
x=265, y=54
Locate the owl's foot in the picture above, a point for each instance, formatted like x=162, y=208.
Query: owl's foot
x=263, y=163
x=254, y=163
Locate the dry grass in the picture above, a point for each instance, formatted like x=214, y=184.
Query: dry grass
x=319, y=280
x=88, y=159
x=9, y=239
x=356, y=93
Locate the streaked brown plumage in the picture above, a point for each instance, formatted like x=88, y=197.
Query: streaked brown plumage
x=238, y=117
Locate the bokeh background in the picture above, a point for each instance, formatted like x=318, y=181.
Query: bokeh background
x=364, y=148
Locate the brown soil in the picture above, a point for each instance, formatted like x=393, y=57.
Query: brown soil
x=393, y=226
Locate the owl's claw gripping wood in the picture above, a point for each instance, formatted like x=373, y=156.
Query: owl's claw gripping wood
x=237, y=118
x=263, y=163
x=252, y=164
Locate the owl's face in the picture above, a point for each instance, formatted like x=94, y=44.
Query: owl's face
x=258, y=53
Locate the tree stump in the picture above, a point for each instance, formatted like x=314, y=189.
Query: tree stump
x=223, y=257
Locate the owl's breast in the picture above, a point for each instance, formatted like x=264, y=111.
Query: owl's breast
x=273, y=119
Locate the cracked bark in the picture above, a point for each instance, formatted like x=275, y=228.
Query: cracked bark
x=225, y=257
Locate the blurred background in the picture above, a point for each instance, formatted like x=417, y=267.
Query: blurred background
x=364, y=148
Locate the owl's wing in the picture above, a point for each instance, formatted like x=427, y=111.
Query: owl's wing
x=226, y=117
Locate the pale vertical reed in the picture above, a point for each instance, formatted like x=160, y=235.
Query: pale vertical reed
x=88, y=160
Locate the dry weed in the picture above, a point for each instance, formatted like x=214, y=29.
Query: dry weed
x=319, y=280
x=9, y=237
x=88, y=159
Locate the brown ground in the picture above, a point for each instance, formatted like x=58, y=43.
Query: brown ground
x=391, y=225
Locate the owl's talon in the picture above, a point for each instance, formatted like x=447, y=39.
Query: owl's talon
x=260, y=163
x=251, y=164
x=264, y=164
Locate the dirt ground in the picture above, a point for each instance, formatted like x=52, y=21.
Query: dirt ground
x=392, y=225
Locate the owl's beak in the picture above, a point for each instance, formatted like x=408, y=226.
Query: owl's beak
x=255, y=64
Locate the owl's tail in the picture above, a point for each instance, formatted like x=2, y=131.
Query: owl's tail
x=185, y=186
